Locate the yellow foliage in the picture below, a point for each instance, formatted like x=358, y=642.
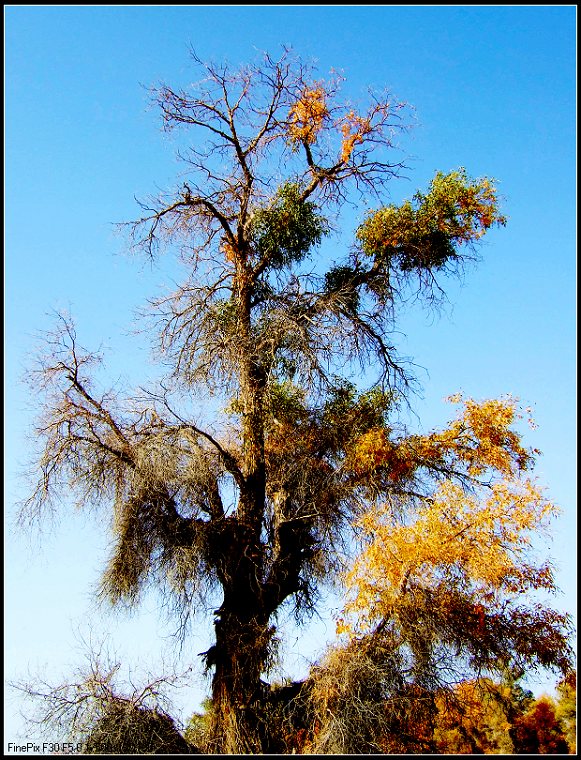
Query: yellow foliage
x=480, y=439
x=354, y=128
x=476, y=539
x=307, y=115
x=474, y=720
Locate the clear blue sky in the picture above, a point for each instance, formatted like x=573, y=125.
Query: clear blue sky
x=494, y=91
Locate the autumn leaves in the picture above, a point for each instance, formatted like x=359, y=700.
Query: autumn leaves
x=459, y=523
x=311, y=112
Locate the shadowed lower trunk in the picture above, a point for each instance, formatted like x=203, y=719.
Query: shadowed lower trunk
x=242, y=636
x=243, y=643
x=240, y=654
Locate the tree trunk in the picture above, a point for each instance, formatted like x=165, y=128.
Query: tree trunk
x=240, y=654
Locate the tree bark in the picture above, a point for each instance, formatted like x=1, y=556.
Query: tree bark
x=242, y=636
x=240, y=655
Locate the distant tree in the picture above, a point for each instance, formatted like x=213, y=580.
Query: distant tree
x=197, y=732
x=259, y=508
x=539, y=731
x=498, y=718
x=566, y=709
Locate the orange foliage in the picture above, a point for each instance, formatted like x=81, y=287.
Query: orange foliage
x=354, y=128
x=473, y=719
x=307, y=115
x=539, y=731
x=479, y=543
x=228, y=250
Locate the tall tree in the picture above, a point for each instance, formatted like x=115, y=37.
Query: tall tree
x=258, y=506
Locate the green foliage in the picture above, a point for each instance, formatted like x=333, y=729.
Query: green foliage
x=223, y=315
x=286, y=402
x=520, y=699
x=356, y=412
x=285, y=231
x=198, y=730
x=424, y=233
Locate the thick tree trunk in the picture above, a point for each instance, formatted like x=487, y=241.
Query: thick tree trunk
x=243, y=642
x=240, y=654
x=241, y=648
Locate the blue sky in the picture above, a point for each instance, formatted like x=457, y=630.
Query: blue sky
x=493, y=89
